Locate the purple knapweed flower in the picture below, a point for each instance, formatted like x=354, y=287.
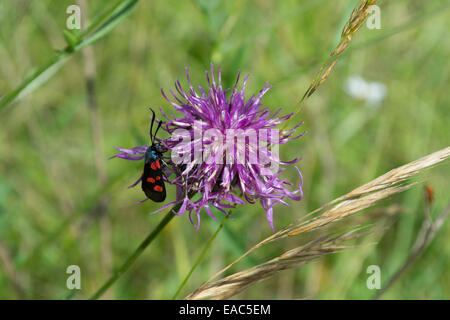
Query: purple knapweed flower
x=211, y=169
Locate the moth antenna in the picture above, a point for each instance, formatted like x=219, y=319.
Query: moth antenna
x=151, y=125
x=159, y=126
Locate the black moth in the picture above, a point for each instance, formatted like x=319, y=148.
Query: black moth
x=152, y=178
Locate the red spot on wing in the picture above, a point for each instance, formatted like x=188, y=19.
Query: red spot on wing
x=158, y=178
x=153, y=166
x=158, y=165
x=158, y=188
x=151, y=180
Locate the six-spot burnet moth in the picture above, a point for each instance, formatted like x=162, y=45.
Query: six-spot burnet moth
x=152, y=178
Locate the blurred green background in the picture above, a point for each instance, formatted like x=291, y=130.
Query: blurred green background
x=59, y=207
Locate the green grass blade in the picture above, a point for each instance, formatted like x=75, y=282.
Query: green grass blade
x=116, y=14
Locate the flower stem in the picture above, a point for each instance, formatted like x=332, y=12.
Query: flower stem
x=202, y=255
x=135, y=254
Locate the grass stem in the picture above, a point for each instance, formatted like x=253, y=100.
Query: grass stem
x=202, y=255
x=149, y=239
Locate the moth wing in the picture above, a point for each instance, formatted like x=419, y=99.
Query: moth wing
x=153, y=183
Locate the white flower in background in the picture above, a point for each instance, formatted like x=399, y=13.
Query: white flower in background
x=371, y=92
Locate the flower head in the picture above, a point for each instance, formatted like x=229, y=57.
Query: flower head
x=224, y=149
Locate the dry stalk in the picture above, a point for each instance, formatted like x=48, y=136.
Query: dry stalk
x=351, y=27
x=355, y=22
x=10, y=271
x=425, y=236
x=238, y=282
x=360, y=198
